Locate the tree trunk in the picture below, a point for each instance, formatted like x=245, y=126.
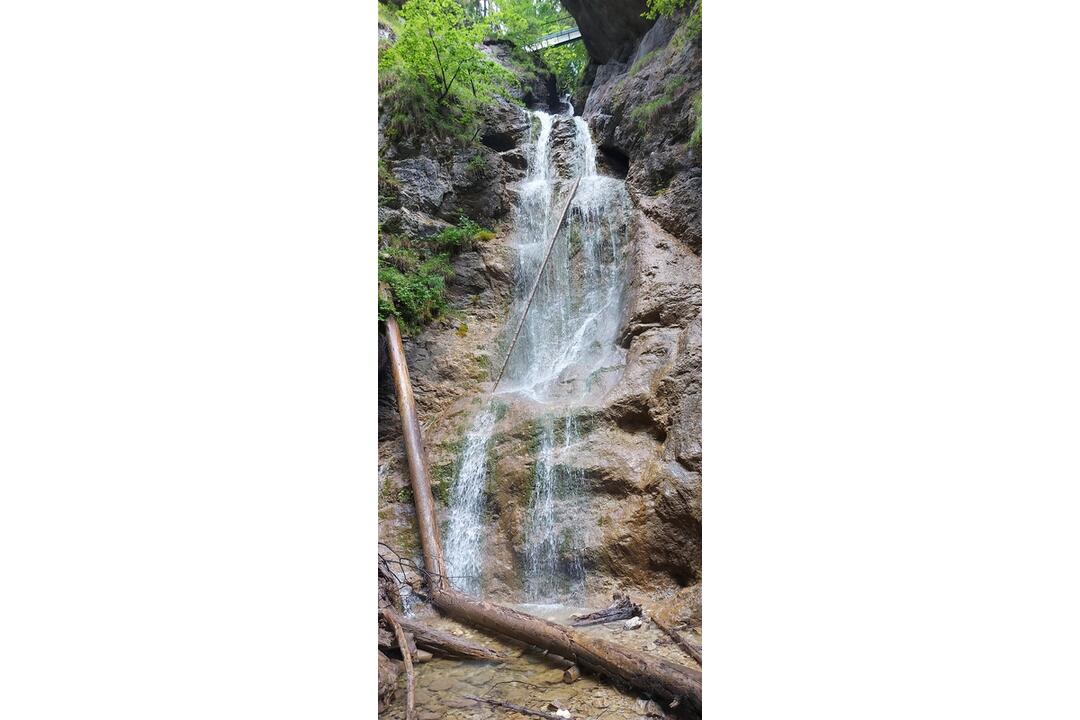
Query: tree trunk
x=445, y=644
x=645, y=672
x=417, y=460
x=675, y=683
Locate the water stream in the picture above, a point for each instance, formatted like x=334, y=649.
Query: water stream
x=567, y=355
x=464, y=545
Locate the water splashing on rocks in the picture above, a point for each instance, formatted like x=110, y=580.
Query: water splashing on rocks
x=566, y=356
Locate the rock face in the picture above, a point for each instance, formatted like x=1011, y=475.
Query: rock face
x=644, y=109
x=609, y=29
x=639, y=446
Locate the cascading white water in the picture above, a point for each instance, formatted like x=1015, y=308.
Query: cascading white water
x=570, y=332
x=465, y=530
x=555, y=529
x=567, y=354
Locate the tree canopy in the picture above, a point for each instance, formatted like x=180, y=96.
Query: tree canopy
x=435, y=77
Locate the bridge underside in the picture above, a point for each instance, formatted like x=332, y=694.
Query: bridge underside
x=555, y=39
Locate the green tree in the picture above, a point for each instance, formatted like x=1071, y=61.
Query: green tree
x=662, y=7
x=522, y=22
x=568, y=63
x=434, y=77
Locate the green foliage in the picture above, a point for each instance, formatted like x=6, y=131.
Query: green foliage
x=413, y=273
x=388, y=16
x=690, y=30
x=645, y=113
x=522, y=22
x=464, y=234
x=643, y=61
x=410, y=110
x=389, y=188
x=476, y=165
x=662, y=7
x=695, y=138
x=442, y=480
x=415, y=297
x=693, y=23
x=434, y=79
x=567, y=62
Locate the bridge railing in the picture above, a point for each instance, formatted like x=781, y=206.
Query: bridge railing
x=555, y=38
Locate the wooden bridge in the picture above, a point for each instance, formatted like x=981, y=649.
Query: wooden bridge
x=554, y=39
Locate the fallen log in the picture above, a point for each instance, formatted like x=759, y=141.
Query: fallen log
x=688, y=647
x=675, y=683
x=515, y=708
x=643, y=671
x=621, y=608
x=410, y=695
x=416, y=459
x=445, y=644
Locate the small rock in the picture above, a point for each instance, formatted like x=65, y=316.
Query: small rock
x=650, y=708
x=632, y=624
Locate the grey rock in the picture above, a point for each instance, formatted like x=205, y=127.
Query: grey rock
x=609, y=28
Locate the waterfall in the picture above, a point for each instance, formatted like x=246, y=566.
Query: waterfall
x=567, y=354
x=464, y=549
x=570, y=332
x=554, y=532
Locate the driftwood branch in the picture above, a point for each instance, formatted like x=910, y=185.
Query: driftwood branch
x=410, y=699
x=445, y=644
x=621, y=608
x=515, y=708
x=688, y=647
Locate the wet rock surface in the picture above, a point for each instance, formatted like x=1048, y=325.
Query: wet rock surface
x=642, y=106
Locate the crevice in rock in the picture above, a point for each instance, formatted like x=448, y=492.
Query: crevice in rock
x=614, y=161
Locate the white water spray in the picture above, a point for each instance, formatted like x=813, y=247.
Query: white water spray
x=566, y=356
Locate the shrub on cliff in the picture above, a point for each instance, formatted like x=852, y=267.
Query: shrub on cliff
x=434, y=79
x=413, y=272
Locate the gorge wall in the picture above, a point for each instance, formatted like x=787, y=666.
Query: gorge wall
x=637, y=443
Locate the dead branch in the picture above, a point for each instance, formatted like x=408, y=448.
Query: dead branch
x=445, y=644
x=688, y=647
x=515, y=708
x=621, y=608
x=410, y=700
